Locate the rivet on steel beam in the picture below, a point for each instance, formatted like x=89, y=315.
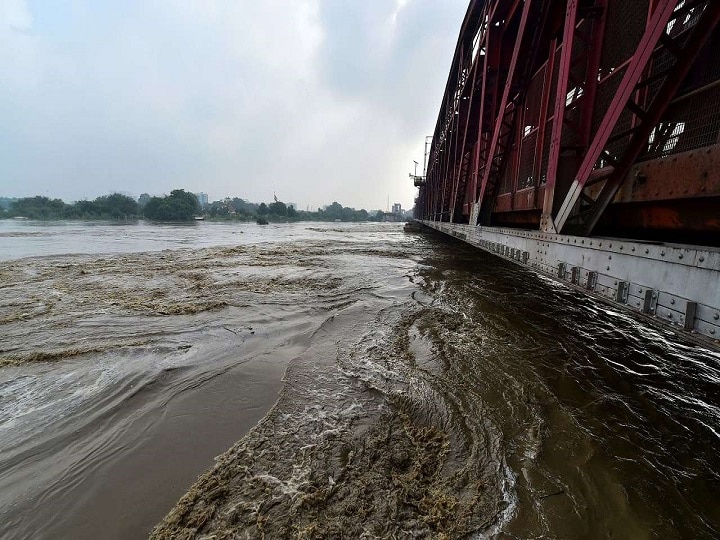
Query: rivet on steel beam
x=672, y=301
x=680, y=256
x=701, y=259
x=716, y=316
x=662, y=253
x=647, y=251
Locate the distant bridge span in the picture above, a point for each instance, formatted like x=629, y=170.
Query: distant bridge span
x=568, y=125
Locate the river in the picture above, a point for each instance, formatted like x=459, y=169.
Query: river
x=352, y=380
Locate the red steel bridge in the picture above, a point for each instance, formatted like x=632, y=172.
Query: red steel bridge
x=565, y=121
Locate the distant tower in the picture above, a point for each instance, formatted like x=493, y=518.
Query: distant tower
x=202, y=199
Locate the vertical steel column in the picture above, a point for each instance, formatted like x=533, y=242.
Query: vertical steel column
x=546, y=223
x=484, y=193
x=464, y=173
x=457, y=120
x=542, y=121
x=491, y=70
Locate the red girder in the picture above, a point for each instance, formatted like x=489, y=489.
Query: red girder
x=555, y=102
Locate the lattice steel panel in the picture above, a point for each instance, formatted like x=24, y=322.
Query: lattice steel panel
x=689, y=123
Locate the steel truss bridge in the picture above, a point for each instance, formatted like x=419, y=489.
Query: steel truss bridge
x=582, y=138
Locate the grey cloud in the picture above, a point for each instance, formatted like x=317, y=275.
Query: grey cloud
x=317, y=101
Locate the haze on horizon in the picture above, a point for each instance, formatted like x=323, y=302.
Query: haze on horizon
x=312, y=100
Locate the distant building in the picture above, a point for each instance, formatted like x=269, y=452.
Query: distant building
x=202, y=199
x=397, y=208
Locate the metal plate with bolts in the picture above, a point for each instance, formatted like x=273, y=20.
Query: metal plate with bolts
x=623, y=288
x=606, y=263
x=690, y=313
x=575, y=275
x=650, y=303
x=591, y=280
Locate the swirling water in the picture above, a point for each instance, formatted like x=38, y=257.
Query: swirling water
x=428, y=390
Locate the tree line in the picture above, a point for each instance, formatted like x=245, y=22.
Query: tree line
x=108, y=207
x=179, y=205
x=242, y=210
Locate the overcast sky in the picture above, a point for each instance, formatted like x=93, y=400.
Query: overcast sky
x=316, y=100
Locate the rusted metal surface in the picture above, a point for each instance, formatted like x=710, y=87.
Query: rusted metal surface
x=695, y=173
x=558, y=115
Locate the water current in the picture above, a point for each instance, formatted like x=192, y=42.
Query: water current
x=354, y=381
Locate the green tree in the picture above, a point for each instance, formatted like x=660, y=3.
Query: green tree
x=180, y=205
x=262, y=209
x=39, y=208
x=115, y=206
x=333, y=211
x=277, y=208
x=243, y=207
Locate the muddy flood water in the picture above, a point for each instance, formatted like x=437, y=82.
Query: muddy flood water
x=334, y=381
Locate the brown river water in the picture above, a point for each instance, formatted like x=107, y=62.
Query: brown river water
x=335, y=381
